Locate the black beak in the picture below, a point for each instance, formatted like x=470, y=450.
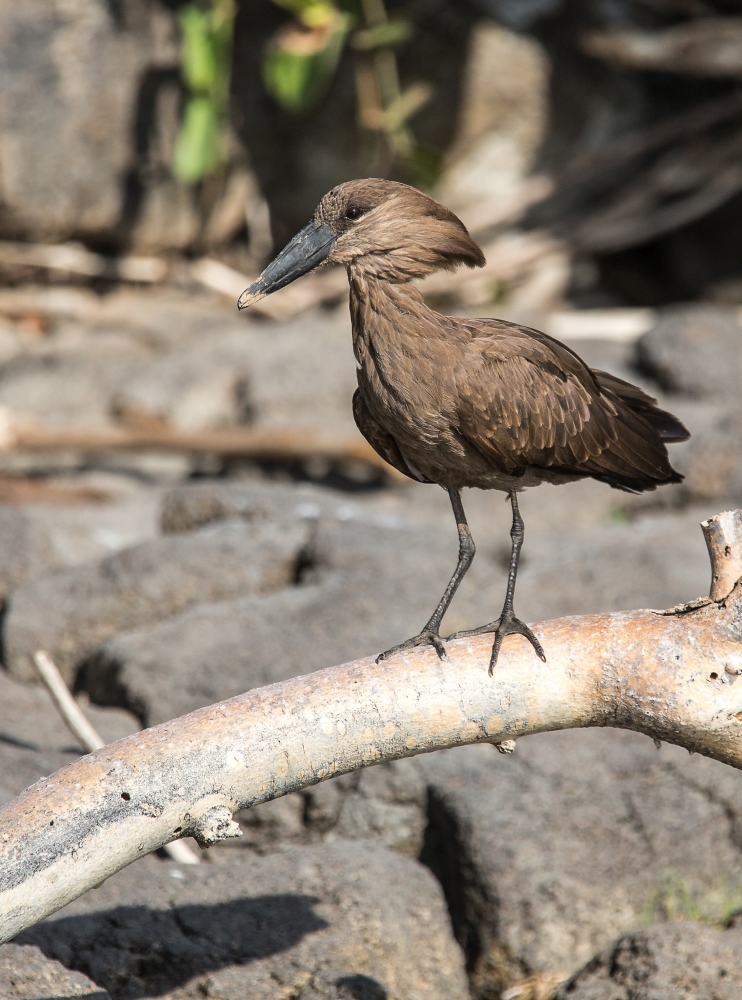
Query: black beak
x=307, y=250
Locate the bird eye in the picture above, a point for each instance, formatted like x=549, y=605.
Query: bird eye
x=354, y=212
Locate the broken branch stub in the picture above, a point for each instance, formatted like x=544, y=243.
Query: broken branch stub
x=723, y=534
x=672, y=676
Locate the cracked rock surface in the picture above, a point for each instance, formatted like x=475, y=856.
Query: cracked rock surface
x=679, y=961
x=332, y=922
x=579, y=836
x=84, y=605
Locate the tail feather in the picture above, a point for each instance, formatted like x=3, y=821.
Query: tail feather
x=666, y=426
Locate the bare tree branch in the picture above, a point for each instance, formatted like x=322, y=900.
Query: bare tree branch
x=670, y=675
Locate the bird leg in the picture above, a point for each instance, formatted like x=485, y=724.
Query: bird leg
x=430, y=635
x=508, y=624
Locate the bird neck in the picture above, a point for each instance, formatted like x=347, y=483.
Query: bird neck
x=388, y=320
x=376, y=302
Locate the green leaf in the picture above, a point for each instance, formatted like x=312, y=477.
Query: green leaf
x=200, y=146
x=297, y=77
x=198, y=57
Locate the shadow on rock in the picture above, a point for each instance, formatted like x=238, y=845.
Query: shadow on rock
x=360, y=988
x=135, y=951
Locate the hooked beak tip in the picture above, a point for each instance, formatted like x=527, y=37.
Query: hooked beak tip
x=250, y=296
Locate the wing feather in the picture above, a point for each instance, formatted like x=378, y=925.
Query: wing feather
x=382, y=442
x=526, y=400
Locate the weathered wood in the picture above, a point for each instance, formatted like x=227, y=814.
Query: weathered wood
x=671, y=676
x=710, y=47
x=723, y=534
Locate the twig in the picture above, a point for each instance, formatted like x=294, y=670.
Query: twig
x=73, y=716
x=680, y=126
x=81, y=728
x=672, y=677
x=76, y=259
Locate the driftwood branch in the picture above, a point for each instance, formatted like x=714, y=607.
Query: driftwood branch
x=671, y=675
x=710, y=47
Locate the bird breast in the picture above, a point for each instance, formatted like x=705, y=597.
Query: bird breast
x=406, y=360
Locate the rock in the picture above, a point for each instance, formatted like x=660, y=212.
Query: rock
x=386, y=804
x=657, y=561
x=694, y=349
x=85, y=605
x=676, y=961
x=502, y=119
x=303, y=373
x=71, y=386
x=368, y=582
x=26, y=551
x=105, y=512
x=320, y=923
x=34, y=742
x=192, y=389
x=364, y=589
x=549, y=854
x=25, y=974
x=194, y=505
x=712, y=460
x=71, y=79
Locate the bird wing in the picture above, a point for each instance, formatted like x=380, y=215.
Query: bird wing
x=526, y=400
x=382, y=442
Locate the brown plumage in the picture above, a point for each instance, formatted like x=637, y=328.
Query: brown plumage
x=466, y=402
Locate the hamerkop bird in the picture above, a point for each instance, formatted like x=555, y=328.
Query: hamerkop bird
x=466, y=402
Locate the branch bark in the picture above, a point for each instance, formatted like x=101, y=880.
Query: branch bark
x=671, y=675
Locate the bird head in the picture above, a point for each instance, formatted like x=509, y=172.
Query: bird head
x=389, y=230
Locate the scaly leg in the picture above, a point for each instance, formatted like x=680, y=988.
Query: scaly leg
x=508, y=624
x=430, y=635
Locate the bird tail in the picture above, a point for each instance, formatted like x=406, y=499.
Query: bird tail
x=667, y=425
x=656, y=427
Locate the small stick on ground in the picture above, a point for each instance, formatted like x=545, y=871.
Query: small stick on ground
x=83, y=730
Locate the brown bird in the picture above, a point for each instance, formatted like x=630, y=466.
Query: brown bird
x=466, y=402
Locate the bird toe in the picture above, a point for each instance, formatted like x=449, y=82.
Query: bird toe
x=425, y=638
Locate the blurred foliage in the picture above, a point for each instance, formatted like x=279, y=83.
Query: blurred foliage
x=301, y=59
x=674, y=900
x=299, y=65
x=202, y=144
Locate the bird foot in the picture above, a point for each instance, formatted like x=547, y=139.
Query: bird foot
x=510, y=625
x=426, y=638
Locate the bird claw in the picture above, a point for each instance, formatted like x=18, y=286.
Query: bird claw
x=510, y=625
x=425, y=638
